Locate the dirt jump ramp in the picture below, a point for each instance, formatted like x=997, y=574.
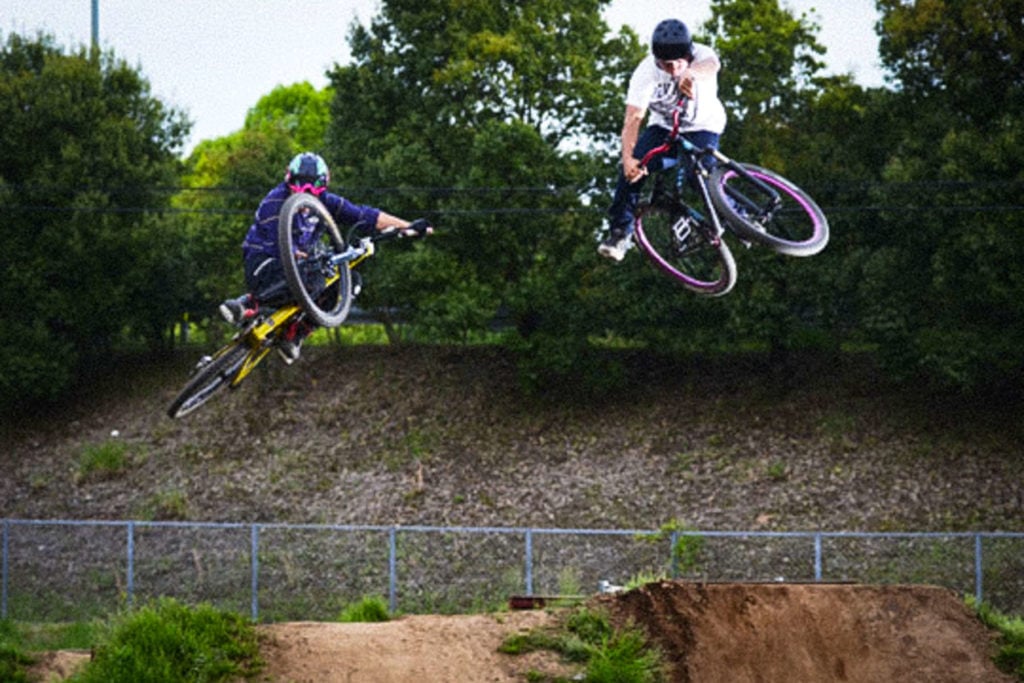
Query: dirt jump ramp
x=797, y=633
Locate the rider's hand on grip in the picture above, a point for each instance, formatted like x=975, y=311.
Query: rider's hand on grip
x=420, y=227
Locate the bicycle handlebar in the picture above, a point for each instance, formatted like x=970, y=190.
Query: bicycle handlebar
x=673, y=136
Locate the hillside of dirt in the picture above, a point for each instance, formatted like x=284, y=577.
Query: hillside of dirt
x=708, y=633
x=438, y=436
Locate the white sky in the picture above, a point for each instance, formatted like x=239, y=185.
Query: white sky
x=216, y=58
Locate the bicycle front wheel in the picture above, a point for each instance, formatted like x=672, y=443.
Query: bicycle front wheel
x=209, y=379
x=686, y=249
x=322, y=288
x=763, y=207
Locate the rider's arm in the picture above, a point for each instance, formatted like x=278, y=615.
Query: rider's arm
x=630, y=132
x=704, y=65
x=386, y=220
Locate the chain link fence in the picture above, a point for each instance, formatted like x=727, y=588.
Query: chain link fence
x=66, y=570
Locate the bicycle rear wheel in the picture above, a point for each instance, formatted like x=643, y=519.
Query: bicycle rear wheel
x=209, y=379
x=792, y=224
x=686, y=249
x=327, y=306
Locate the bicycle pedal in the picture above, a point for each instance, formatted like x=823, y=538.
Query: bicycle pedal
x=202, y=363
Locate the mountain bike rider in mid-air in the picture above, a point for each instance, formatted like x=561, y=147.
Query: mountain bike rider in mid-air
x=264, y=274
x=676, y=67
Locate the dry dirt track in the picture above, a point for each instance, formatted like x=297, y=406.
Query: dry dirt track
x=711, y=633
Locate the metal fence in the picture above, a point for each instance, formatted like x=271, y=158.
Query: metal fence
x=61, y=570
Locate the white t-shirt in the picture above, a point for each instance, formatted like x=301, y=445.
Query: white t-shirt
x=652, y=89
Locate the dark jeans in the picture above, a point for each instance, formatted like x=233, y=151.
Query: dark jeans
x=623, y=206
x=264, y=276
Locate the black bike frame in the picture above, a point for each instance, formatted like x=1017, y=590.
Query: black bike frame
x=694, y=154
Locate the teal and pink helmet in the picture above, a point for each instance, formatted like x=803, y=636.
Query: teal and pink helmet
x=307, y=172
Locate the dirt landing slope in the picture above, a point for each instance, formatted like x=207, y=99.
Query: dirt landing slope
x=422, y=648
x=711, y=633
x=784, y=633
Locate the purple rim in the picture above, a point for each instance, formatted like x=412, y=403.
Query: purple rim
x=665, y=266
x=791, y=192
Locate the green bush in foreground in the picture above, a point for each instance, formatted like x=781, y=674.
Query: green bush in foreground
x=1011, y=644
x=13, y=658
x=166, y=641
x=610, y=656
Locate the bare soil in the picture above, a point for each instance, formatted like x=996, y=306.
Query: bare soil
x=439, y=436
x=708, y=633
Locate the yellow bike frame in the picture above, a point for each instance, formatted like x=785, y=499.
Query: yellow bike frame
x=260, y=338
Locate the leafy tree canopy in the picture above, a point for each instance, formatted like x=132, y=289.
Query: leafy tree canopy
x=87, y=151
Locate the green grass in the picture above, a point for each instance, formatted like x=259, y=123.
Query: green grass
x=14, y=658
x=19, y=642
x=168, y=641
x=1010, y=657
x=102, y=461
x=370, y=609
x=587, y=638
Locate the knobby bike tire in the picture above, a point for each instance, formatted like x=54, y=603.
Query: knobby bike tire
x=209, y=380
x=797, y=227
x=333, y=311
x=693, y=256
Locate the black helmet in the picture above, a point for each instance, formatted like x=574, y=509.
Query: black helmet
x=672, y=40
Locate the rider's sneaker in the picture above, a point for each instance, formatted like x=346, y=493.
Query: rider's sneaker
x=615, y=246
x=289, y=347
x=240, y=310
x=289, y=350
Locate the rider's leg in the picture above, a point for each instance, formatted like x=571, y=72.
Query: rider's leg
x=623, y=207
x=240, y=309
x=701, y=139
x=265, y=278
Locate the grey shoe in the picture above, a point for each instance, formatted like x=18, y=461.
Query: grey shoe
x=615, y=246
x=238, y=311
x=289, y=350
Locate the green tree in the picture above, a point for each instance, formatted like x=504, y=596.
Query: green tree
x=225, y=179
x=88, y=155
x=951, y=268
x=495, y=117
x=300, y=110
x=783, y=115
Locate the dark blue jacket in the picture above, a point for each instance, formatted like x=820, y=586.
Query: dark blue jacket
x=262, y=236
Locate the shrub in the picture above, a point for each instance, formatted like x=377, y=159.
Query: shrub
x=372, y=608
x=168, y=641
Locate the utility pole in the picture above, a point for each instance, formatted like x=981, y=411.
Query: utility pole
x=96, y=24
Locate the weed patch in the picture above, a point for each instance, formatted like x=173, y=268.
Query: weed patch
x=587, y=637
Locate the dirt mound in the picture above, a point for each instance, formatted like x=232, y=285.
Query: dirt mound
x=729, y=633
x=811, y=632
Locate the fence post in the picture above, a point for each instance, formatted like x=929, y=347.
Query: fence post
x=529, y=561
x=977, y=569
x=130, y=569
x=817, y=557
x=392, y=570
x=3, y=572
x=673, y=555
x=254, y=563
